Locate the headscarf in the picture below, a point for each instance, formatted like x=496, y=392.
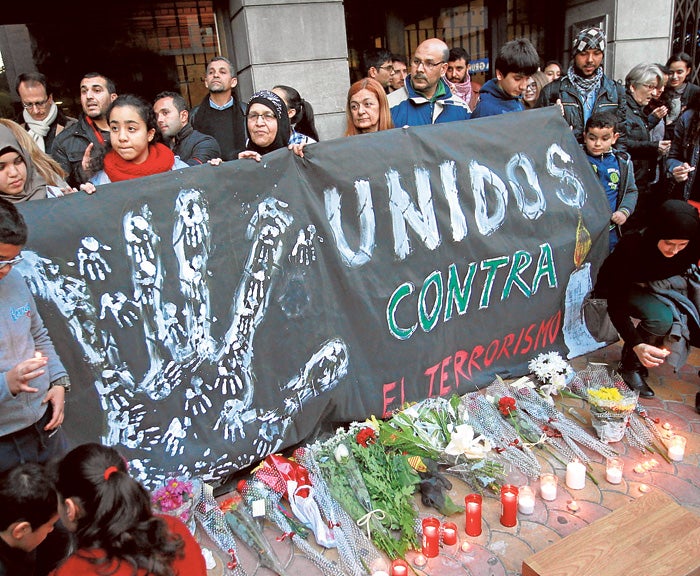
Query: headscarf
x=35, y=186
x=674, y=220
x=277, y=106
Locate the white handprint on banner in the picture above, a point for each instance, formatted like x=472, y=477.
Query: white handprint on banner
x=215, y=377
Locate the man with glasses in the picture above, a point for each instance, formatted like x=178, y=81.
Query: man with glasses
x=425, y=97
x=40, y=116
x=378, y=64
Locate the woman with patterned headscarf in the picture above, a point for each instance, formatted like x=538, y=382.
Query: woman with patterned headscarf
x=267, y=125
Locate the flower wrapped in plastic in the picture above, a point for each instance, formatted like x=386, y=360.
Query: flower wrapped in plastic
x=553, y=372
x=611, y=408
x=250, y=532
x=176, y=497
x=438, y=429
x=374, y=486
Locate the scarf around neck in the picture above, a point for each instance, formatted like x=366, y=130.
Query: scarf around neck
x=160, y=159
x=463, y=90
x=585, y=85
x=38, y=129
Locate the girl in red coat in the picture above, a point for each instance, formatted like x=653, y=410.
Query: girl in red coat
x=115, y=530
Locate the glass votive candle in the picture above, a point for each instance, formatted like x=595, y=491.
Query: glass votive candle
x=431, y=537
x=509, y=505
x=449, y=533
x=399, y=567
x=526, y=500
x=472, y=504
x=548, y=486
x=676, y=447
x=613, y=470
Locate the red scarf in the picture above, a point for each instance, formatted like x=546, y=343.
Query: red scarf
x=160, y=159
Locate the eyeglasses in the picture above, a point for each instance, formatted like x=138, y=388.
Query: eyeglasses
x=5, y=263
x=389, y=68
x=426, y=65
x=650, y=86
x=30, y=105
x=266, y=116
x=531, y=88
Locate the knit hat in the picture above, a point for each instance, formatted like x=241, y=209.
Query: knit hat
x=588, y=39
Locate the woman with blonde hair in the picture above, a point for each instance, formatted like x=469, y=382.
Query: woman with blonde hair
x=367, y=108
x=533, y=89
x=27, y=173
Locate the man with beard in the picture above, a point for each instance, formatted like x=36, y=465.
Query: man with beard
x=457, y=74
x=220, y=114
x=89, y=133
x=425, y=97
x=584, y=89
x=400, y=72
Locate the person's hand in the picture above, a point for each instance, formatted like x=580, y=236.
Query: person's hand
x=215, y=161
x=664, y=147
x=561, y=106
x=18, y=378
x=86, y=157
x=618, y=218
x=660, y=112
x=88, y=188
x=57, y=396
x=298, y=149
x=649, y=355
x=680, y=173
x=250, y=154
x=68, y=190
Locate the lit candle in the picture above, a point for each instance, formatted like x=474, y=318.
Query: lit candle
x=548, y=486
x=449, y=533
x=420, y=560
x=465, y=545
x=613, y=470
x=676, y=447
x=572, y=505
x=644, y=488
x=575, y=475
x=526, y=500
x=639, y=469
x=399, y=568
x=509, y=505
x=431, y=537
x=472, y=503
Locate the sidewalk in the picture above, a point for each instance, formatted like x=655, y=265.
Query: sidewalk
x=500, y=551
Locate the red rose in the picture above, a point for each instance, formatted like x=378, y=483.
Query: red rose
x=366, y=436
x=506, y=405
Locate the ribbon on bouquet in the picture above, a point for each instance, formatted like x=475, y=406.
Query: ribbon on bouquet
x=365, y=520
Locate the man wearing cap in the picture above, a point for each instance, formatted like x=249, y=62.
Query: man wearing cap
x=584, y=89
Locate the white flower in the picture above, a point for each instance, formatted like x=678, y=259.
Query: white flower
x=341, y=453
x=463, y=443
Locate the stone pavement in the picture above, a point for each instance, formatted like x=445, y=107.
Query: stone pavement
x=500, y=551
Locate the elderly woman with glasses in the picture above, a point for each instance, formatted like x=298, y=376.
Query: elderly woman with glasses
x=644, y=82
x=267, y=125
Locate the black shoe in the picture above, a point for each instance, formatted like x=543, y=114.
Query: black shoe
x=635, y=380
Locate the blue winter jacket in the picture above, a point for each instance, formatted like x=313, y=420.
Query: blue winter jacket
x=493, y=100
x=410, y=108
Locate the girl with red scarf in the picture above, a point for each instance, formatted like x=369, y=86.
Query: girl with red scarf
x=136, y=149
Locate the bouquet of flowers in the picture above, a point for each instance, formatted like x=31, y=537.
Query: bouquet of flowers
x=374, y=486
x=553, y=372
x=176, y=498
x=250, y=532
x=435, y=429
x=611, y=408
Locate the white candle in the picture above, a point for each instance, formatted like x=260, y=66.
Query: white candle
x=613, y=470
x=676, y=447
x=548, y=486
x=526, y=500
x=575, y=475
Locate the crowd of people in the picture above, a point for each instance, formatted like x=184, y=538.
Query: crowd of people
x=642, y=140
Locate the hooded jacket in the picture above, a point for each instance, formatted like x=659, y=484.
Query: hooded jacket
x=23, y=333
x=636, y=261
x=35, y=188
x=493, y=100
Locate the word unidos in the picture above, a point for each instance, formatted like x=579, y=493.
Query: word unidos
x=489, y=212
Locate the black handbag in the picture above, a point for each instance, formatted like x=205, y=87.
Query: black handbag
x=597, y=320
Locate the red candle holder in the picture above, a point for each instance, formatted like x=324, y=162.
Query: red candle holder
x=509, y=505
x=399, y=567
x=449, y=533
x=431, y=537
x=472, y=503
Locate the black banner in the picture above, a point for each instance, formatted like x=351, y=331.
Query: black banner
x=213, y=315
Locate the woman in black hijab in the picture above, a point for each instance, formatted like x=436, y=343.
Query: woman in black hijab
x=667, y=248
x=267, y=125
